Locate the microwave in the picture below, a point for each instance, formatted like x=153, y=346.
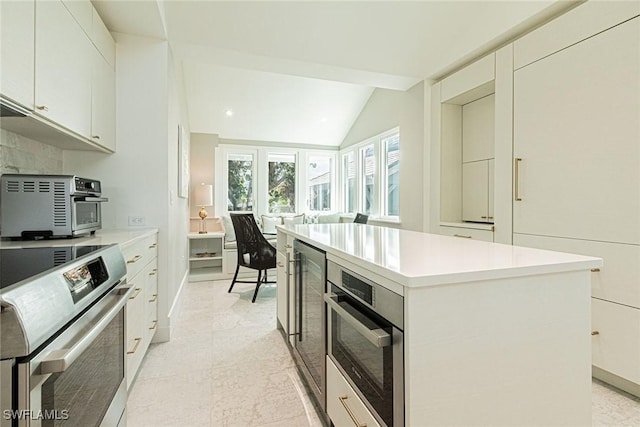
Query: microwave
x=49, y=206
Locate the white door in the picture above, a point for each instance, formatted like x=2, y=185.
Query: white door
x=577, y=131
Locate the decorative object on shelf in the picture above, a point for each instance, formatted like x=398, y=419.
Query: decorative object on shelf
x=203, y=197
x=205, y=254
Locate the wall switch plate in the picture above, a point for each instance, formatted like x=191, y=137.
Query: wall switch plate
x=136, y=221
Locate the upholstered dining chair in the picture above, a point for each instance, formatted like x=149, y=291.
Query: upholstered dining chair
x=361, y=218
x=254, y=251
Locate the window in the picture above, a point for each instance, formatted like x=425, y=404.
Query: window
x=282, y=183
x=240, y=172
x=368, y=168
x=319, y=182
x=392, y=175
x=349, y=168
x=370, y=178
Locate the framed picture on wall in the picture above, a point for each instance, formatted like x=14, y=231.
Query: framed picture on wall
x=183, y=163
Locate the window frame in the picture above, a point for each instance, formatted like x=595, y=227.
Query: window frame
x=380, y=202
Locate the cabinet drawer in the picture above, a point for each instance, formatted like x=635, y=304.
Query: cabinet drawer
x=617, y=280
x=151, y=243
x=344, y=407
x=467, y=233
x=616, y=346
x=136, y=338
x=134, y=256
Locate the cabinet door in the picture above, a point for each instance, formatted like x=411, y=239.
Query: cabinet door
x=17, y=51
x=475, y=191
x=576, y=129
x=490, y=190
x=151, y=299
x=135, y=335
x=103, y=103
x=478, y=129
x=63, y=68
x=282, y=291
x=616, y=346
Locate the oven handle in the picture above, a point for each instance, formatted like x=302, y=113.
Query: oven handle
x=92, y=199
x=377, y=337
x=60, y=360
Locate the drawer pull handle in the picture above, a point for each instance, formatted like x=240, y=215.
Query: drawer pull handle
x=155, y=297
x=96, y=137
x=595, y=270
x=136, y=293
x=593, y=333
x=154, y=323
x=134, y=259
x=343, y=400
x=289, y=246
x=42, y=108
x=462, y=235
x=153, y=246
x=135, y=347
x=280, y=264
x=152, y=273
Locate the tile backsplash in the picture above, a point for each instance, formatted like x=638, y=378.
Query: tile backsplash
x=23, y=155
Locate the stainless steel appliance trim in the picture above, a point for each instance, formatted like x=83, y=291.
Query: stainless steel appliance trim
x=6, y=387
x=93, y=199
x=386, y=303
x=60, y=360
x=117, y=408
x=377, y=337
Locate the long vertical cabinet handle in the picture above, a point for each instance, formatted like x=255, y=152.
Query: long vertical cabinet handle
x=299, y=312
x=516, y=172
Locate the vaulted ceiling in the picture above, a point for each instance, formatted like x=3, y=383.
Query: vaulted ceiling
x=301, y=71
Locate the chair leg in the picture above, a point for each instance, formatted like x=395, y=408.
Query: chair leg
x=235, y=276
x=258, y=282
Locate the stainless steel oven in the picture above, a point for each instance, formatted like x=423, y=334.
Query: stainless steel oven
x=63, y=334
x=309, y=338
x=365, y=324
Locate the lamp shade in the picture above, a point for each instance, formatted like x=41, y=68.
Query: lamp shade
x=204, y=195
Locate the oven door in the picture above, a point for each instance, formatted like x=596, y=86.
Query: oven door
x=86, y=213
x=369, y=352
x=79, y=378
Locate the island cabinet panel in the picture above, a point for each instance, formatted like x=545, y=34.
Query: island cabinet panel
x=576, y=133
x=470, y=349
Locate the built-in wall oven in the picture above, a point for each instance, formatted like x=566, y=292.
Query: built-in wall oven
x=365, y=325
x=62, y=337
x=308, y=339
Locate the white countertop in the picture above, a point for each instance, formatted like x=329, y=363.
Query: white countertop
x=414, y=259
x=102, y=237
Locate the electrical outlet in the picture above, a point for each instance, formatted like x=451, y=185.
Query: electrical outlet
x=136, y=221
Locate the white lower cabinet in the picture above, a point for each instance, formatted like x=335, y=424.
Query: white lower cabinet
x=344, y=407
x=485, y=235
x=142, y=307
x=282, y=291
x=616, y=339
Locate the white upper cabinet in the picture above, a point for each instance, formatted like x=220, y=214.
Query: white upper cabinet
x=103, y=103
x=17, y=51
x=63, y=68
x=478, y=129
x=577, y=131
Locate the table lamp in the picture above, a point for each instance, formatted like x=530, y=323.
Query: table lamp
x=204, y=197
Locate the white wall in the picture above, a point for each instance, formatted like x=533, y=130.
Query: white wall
x=202, y=164
x=141, y=177
x=19, y=154
x=385, y=110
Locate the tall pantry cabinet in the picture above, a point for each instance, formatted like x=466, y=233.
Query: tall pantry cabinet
x=576, y=147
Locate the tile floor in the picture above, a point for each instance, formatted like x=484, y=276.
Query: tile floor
x=227, y=365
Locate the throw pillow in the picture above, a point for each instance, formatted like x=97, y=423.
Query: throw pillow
x=269, y=224
x=298, y=219
x=328, y=218
x=229, y=232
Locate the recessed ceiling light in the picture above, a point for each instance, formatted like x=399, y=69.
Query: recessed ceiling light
x=229, y=113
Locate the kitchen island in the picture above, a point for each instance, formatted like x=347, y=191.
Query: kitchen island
x=493, y=334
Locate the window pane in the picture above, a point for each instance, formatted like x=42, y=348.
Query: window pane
x=282, y=183
x=240, y=178
x=319, y=183
x=369, y=170
x=349, y=167
x=392, y=149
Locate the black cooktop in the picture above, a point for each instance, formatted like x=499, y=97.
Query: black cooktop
x=17, y=265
